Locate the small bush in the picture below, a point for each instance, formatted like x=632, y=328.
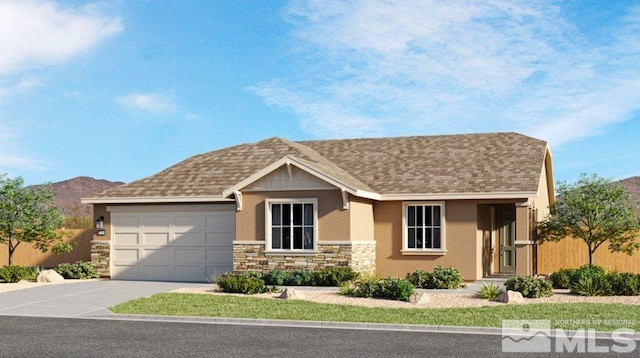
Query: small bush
x=623, y=284
x=529, y=287
x=586, y=271
x=395, y=289
x=440, y=278
x=371, y=286
x=334, y=276
x=489, y=291
x=277, y=277
x=302, y=278
x=78, y=270
x=562, y=278
x=367, y=286
x=446, y=278
x=588, y=286
x=13, y=273
x=419, y=278
x=249, y=282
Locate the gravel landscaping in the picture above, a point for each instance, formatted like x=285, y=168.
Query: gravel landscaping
x=434, y=300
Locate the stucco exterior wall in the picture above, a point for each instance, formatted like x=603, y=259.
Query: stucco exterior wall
x=361, y=219
x=462, y=241
x=333, y=221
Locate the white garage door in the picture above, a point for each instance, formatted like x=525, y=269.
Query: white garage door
x=172, y=243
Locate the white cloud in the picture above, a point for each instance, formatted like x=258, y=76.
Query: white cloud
x=409, y=67
x=35, y=33
x=153, y=103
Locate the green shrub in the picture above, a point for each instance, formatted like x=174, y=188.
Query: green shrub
x=334, y=276
x=301, y=278
x=367, y=286
x=419, y=278
x=529, y=286
x=588, y=286
x=78, y=270
x=446, y=278
x=562, y=278
x=489, y=291
x=586, y=271
x=277, y=277
x=395, y=289
x=249, y=282
x=371, y=286
x=440, y=278
x=13, y=273
x=623, y=284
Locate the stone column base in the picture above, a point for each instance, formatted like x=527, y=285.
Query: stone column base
x=100, y=256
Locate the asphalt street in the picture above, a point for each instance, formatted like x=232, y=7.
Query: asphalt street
x=82, y=337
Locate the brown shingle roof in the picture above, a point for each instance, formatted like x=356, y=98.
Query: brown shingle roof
x=469, y=163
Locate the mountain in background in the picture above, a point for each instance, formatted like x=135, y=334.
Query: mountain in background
x=69, y=192
x=632, y=184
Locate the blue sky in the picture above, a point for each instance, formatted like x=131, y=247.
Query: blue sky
x=120, y=90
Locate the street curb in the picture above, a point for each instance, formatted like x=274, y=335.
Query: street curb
x=333, y=325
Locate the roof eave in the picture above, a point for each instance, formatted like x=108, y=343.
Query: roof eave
x=155, y=199
x=459, y=196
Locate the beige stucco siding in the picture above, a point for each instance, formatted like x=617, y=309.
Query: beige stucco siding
x=333, y=221
x=462, y=241
x=361, y=217
x=542, y=197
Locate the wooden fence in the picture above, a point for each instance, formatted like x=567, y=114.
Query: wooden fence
x=572, y=253
x=26, y=255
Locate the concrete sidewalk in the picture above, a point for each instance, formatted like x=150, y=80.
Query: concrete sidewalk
x=80, y=299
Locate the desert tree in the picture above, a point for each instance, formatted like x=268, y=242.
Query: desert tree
x=29, y=214
x=595, y=210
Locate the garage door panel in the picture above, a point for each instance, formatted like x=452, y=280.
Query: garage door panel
x=126, y=255
x=221, y=256
x=219, y=238
x=157, y=255
x=127, y=223
x=156, y=271
x=220, y=221
x=127, y=271
x=156, y=238
x=213, y=272
x=189, y=239
x=172, y=245
x=126, y=238
x=189, y=272
x=157, y=222
x=188, y=255
x=185, y=223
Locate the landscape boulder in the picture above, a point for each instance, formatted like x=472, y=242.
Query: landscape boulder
x=49, y=276
x=511, y=297
x=419, y=298
x=291, y=294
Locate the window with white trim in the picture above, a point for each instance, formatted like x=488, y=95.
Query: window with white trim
x=423, y=227
x=291, y=224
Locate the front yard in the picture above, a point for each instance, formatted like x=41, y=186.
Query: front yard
x=600, y=316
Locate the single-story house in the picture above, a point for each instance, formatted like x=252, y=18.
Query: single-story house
x=382, y=205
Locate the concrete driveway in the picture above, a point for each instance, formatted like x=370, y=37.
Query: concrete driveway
x=80, y=299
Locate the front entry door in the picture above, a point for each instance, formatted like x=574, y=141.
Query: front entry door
x=507, y=232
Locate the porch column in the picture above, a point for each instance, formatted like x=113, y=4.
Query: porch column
x=524, y=244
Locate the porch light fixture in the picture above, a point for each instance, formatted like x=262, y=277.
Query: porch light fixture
x=100, y=231
x=100, y=222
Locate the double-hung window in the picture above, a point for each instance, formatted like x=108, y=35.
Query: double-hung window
x=291, y=224
x=423, y=227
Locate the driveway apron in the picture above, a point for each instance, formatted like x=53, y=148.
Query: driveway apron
x=79, y=299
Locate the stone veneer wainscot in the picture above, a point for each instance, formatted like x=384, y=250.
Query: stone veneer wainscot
x=359, y=255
